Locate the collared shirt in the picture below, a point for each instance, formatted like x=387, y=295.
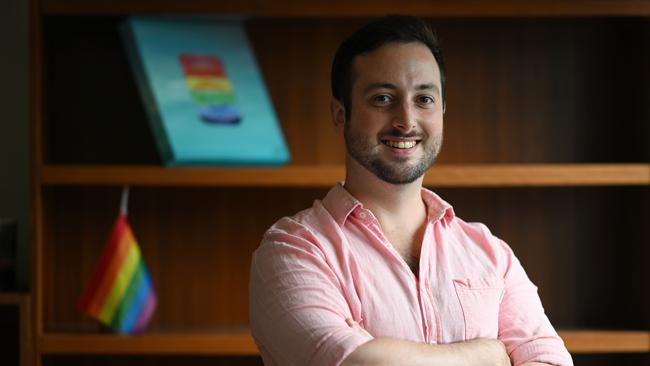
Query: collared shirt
x=332, y=262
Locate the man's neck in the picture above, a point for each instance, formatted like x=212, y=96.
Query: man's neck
x=392, y=204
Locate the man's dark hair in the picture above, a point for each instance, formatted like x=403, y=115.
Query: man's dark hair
x=391, y=28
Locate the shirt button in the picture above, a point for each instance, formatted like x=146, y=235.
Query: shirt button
x=363, y=215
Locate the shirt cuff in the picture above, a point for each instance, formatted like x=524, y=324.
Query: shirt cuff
x=550, y=351
x=336, y=348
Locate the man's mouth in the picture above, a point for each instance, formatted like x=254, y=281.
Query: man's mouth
x=400, y=144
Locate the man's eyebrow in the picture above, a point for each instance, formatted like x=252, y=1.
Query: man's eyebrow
x=426, y=86
x=374, y=86
x=429, y=86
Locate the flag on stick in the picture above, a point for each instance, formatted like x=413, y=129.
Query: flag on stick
x=120, y=294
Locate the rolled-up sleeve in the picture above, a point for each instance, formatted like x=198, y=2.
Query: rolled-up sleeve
x=524, y=328
x=296, y=306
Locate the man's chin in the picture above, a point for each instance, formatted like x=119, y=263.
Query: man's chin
x=400, y=183
x=397, y=178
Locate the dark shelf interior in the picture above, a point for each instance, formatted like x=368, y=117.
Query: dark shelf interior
x=555, y=90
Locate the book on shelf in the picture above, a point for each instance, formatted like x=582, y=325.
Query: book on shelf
x=203, y=91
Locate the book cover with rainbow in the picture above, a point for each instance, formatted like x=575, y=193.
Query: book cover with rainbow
x=120, y=294
x=203, y=91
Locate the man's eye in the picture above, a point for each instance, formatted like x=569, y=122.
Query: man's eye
x=425, y=99
x=382, y=99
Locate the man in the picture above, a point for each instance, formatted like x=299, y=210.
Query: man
x=381, y=271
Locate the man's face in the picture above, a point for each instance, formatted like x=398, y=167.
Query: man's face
x=395, y=126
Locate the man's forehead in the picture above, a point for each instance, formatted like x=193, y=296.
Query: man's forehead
x=394, y=61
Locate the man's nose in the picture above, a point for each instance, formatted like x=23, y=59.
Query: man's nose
x=404, y=118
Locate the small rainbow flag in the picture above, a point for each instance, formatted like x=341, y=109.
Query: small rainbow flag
x=120, y=294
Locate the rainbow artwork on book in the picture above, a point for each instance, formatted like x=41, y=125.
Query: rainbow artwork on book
x=210, y=88
x=120, y=293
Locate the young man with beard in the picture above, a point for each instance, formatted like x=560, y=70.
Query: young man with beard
x=381, y=271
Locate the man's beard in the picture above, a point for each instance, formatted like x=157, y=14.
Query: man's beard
x=396, y=171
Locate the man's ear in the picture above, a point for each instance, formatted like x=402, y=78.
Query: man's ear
x=337, y=110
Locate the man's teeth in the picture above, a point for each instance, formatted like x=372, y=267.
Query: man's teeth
x=401, y=144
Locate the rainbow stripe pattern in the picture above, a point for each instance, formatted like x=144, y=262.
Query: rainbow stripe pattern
x=120, y=294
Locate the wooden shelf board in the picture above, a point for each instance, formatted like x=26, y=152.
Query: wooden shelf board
x=579, y=341
x=296, y=176
x=538, y=175
x=200, y=343
x=327, y=175
x=241, y=343
x=362, y=8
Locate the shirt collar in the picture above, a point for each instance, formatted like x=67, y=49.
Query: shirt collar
x=340, y=203
x=437, y=208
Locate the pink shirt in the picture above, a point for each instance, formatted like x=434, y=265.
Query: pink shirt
x=332, y=262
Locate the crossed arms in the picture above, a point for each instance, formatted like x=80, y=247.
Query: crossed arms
x=393, y=352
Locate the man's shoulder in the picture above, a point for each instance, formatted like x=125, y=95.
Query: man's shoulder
x=473, y=228
x=308, y=227
x=475, y=238
x=321, y=220
x=293, y=242
x=304, y=220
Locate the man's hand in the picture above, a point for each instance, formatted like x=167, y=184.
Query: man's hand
x=386, y=351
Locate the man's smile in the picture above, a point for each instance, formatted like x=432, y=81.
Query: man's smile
x=402, y=144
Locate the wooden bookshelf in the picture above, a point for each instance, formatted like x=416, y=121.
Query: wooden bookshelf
x=546, y=141
x=241, y=343
x=511, y=175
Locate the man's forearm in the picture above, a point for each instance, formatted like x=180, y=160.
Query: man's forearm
x=386, y=351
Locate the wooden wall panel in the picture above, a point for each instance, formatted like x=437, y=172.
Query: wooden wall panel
x=93, y=113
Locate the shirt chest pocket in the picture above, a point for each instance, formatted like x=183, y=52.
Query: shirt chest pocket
x=480, y=299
